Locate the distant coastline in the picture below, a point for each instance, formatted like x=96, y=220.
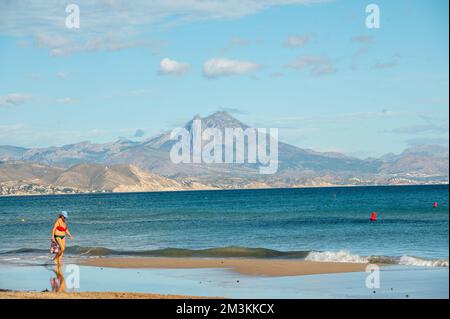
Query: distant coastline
x=224, y=189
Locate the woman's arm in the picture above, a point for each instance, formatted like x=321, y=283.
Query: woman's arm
x=53, y=231
x=68, y=233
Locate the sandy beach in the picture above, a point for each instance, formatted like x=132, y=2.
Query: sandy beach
x=255, y=267
x=90, y=295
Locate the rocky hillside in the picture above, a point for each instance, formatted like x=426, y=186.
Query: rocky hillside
x=24, y=177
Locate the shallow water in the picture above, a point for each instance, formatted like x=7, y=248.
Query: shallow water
x=395, y=282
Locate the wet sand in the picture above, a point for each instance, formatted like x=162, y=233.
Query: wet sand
x=98, y=282
x=255, y=267
x=89, y=295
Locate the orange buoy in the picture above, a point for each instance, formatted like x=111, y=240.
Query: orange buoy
x=373, y=217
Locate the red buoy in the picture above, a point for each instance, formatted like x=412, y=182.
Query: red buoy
x=373, y=217
x=435, y=205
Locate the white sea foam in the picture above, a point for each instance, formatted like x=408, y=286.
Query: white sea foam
x=343, y=256
x=415, y=261
x=9, y=259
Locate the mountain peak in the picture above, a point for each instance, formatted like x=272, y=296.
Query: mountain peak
x=220, y=114
x=123, y=140
x=219, y=119
x=222, y=120
x=426, y=151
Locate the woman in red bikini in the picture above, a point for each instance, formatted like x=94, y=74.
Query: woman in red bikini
x=59, y=232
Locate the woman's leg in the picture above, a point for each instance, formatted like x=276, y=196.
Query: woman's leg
x=62, y=282
x=62, y=247
x=61, y=244
x=55, y=259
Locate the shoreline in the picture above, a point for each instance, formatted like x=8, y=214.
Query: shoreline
x=10, y=294
x=244, y=266
x=227, y=189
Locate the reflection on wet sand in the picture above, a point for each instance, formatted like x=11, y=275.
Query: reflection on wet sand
x=58, y=282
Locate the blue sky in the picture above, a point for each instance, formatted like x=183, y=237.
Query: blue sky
x=310, y=68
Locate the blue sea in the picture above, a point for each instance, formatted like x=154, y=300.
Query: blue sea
x=308, y=223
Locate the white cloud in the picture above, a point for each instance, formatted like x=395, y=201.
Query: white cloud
x=223, y=67
x=8, y=128
x=53, y=41
x=108, y=42
x=233, y=110
x=66, y=100
x=305, y=61
x=168, y=66
x=237, y=41
x=421, y=128
x=61, y=74
x=14, y=99
x=138, y=92
x=323, y=70
x=316, y=64
x=45, y=20
x=295, y=41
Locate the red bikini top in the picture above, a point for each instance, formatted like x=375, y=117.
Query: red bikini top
x=60, y=228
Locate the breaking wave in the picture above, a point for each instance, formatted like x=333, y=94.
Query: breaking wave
x=345, y=256
x=415, y=261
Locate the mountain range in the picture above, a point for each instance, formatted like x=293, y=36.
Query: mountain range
x=127, y=165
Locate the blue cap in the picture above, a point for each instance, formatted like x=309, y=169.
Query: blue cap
x=64, y=214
